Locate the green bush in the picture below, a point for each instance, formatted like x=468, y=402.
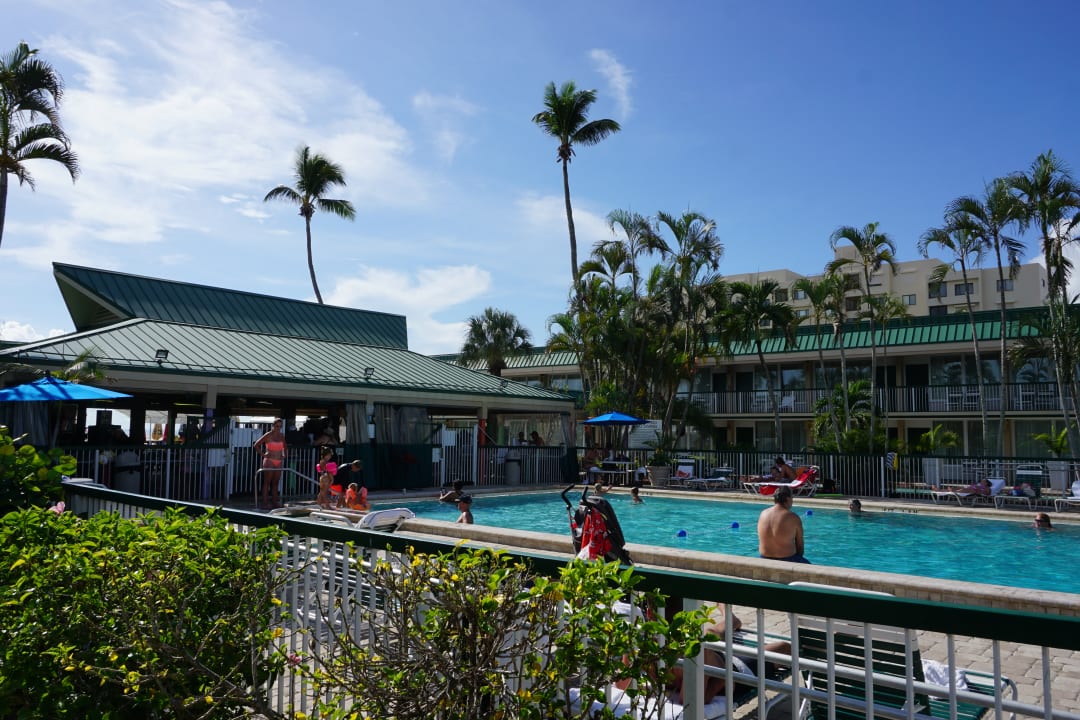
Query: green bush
x=472, y=634
x=29, y=477
x=160, y=616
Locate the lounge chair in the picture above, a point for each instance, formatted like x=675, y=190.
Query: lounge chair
x=387, y=520
x=804, y=485
x=683, y=476
x=744, y=691
x=962, y=494
x=1068, y=501
x=892, y=679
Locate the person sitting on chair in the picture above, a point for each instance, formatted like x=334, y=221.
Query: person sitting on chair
x=781, y=471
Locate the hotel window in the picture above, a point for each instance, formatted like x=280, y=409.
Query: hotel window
x=851, y=304
x=803, y=312
x=799, y=294
x=852, y=282
x=780, y=295
x=938, y=310
x=960, y=289
x=937, y=290
x=909, y=299
x=1006, y=285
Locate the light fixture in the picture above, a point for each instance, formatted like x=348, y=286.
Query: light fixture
x=161, y=356
x=368, y=372
x=503, y=384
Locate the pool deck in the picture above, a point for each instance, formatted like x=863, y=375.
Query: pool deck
x=1019, y=662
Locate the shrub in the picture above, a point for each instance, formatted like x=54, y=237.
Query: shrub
x=29, y=477
x=474, y=634
x=160, y=616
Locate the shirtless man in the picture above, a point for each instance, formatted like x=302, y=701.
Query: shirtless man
x=780, y=531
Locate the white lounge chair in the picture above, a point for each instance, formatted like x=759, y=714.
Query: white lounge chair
x=1072, y=500
x=960, y=495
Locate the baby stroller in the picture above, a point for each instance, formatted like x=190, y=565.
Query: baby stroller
x=595, y=529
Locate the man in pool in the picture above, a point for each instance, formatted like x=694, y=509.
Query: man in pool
x=780, y=531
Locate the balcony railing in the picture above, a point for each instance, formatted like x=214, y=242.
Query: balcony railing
x=333, y=589
x=1039, y=397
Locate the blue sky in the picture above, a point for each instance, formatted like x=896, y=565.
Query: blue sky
x=780, y=120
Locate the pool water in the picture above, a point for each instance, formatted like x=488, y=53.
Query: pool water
x=998, y=552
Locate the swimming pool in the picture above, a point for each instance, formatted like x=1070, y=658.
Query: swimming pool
x=999, y=552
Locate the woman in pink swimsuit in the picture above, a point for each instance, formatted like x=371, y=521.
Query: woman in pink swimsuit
x=273, y=459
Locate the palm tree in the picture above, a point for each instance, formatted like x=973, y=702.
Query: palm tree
x=885, y=309
x=492, y=337
x=753, y=316
x=873, y=250
x=966, y=249
x=989, y=219
x=30, y=89
x=565, y=117
x=818, y=293
x=315, y=176
x=1051, y=202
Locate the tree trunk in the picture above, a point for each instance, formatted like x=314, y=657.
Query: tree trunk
x=570, y=225
x=3, y=201
x=873, y=363
x=978, y=359
x=311, y=261
x=1006, y=379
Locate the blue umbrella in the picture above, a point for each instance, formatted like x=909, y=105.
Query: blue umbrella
x=615, y=418
x=55, y=389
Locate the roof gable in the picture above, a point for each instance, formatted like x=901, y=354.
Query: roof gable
x=98, y=298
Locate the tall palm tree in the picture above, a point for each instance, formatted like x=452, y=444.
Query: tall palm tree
x=752, y=317
x=565, y=117
x=1051, y=201
x=818, y=292
x=315, y=176
x=989, y=219
x=30, y=91
x=836, y=306
x=492, y=337
x=873, y=251
x=966, y=251
x=885, y=309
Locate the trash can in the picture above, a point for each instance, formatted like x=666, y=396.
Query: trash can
x=513, y=471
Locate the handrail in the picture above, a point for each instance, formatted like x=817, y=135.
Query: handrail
x=312, y=481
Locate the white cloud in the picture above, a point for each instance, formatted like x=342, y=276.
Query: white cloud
x=419, y=297
x=183, y=103
x=253, y=211
x=618, y=79
x=444, y=117
x=546, y=216
x=15, y=331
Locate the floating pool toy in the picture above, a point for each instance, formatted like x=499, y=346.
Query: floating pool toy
x=734, y=526
x=681, y=533
x=809, y=513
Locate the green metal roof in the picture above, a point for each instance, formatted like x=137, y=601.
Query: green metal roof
x=534, y=358
x=99, y=298
x=954, y=328
x=209, y=351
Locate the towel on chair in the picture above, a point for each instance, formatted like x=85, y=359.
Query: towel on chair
x=937, y=673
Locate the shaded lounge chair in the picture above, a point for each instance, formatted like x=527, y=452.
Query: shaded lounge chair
x=804, y=485
x=874, y=669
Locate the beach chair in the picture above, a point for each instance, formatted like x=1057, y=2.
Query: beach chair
x=684, y=476
x=960, y=495
x=1069, y=501
x=881, y=672
x=805, y=485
